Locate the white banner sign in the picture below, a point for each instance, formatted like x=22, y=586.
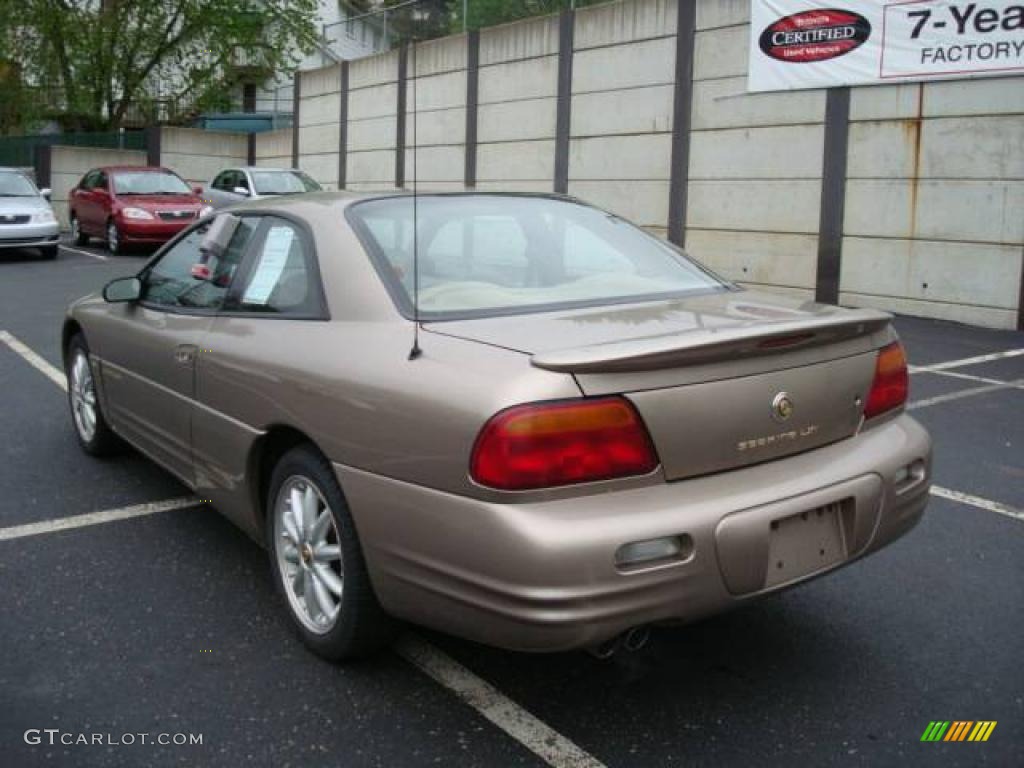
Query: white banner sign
x=822, y=43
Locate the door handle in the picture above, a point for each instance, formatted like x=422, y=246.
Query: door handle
x=185, y=354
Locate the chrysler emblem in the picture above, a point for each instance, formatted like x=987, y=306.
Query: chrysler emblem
x=782, y=407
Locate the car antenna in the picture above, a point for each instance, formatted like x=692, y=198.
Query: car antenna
x=415, y=352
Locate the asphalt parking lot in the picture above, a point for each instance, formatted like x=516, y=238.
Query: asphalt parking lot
x=168, y=622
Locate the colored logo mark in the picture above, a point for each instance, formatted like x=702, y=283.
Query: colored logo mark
x=958, y=730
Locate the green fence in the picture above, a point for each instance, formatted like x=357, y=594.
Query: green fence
x=20, y=151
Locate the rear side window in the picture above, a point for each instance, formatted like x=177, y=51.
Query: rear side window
x=171, y=281
x=281, y=277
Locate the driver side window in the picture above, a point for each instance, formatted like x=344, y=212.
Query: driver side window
x=173, y=282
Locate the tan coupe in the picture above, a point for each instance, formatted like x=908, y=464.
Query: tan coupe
x=591, y=433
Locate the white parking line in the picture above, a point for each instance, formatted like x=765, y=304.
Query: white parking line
x=1000, y=385
x=488, y=701
x=968, y=377
x=95, y=518
x=968, y=361
x=548, y=744
x=977, y=501
x=532, y=733
x=50, y=371
x=99, y=256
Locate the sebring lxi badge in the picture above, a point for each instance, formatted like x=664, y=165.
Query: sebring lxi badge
x=782, y=407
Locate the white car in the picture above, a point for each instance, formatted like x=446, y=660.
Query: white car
x=233, y=185
x=26, y=217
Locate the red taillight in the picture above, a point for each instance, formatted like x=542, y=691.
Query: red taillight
x=550, y=444
x=891, y=385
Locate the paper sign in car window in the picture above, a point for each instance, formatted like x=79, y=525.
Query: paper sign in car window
x=272, y=262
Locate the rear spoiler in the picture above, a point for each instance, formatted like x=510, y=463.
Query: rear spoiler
x=714, y=344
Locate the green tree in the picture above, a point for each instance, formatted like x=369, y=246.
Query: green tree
x=92, y=61
x=487, y=13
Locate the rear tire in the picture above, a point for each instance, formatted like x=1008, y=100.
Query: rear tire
x=77, y=234
x=91, y=428
x=49, y=252
x=318, y=563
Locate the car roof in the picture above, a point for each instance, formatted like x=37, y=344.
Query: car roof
x=313, y=204
x=147, y=168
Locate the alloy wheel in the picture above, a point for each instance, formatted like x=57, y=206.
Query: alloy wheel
x=308, y=552
x=83, y=397
x=113, y=241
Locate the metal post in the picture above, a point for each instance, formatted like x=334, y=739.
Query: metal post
x=833, y=195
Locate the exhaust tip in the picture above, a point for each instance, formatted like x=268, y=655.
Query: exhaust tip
x=636, y=638
x=607, y=649
x=632, y=640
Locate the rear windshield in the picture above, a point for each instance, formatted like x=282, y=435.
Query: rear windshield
x=502, y=254
x=149, y=183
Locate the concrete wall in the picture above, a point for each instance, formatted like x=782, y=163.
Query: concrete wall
x=935, y=200
x=274, y=149
x=197, y=156
x=372, y=123
x=934, y=194
x=755, y=163
x=516, y=118
x=934, y=209
x=318, y=121
x=436, y=114
x=69, y=164
x=621, y=126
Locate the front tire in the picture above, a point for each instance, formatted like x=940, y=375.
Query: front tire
x=114, y=243
x=91, y=428
x=318, y=562
x=49, y=252
x=77, y=234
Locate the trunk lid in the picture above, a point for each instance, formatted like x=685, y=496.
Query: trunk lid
x=722, y=381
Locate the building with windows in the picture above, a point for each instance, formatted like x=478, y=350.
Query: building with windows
x=346, y=33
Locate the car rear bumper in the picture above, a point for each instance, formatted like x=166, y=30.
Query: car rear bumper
x=542, y=576
x=29, y=235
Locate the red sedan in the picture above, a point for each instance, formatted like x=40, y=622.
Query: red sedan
x=129, y=205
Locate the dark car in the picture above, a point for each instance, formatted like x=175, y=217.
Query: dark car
x=132, y=205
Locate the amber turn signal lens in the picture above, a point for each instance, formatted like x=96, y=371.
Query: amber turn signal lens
x=891, y=385
x=561, y=443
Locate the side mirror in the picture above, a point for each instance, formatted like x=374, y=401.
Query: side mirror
x=46, y=192
x=123, y=289
x=198, y=189
x=241, y=191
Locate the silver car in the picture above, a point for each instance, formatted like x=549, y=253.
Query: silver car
x=233, y=185
x=26, y=217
